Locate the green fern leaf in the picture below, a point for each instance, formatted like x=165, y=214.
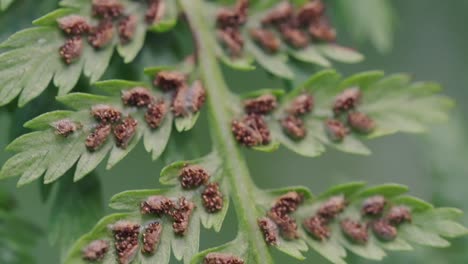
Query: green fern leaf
x=36, y=51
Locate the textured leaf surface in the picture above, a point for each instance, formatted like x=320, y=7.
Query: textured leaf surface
x=45, y=152
x=31, y=59
x=393, y=102
x=182, y=247
x=277, y=64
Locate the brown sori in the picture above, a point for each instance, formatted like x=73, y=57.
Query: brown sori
x=361, y=122
x=65, y=127
x=335, y=130
x=373, y=206
x=193, y=176
x=242, y=8
x=181, y=215
x=310, y=12
x=151, y=237
x=189, y=100
x=169, y=80
x=261, y=105
x=212, y=198
x=282, y=13
x=72, y=49
x=227, y=18
x=155, y=114
x=96, y=250
x=301, y=105
x=127, y=27
x=294, y=36
x=98, y=137
x=347, y=100
x=251, y=131
x=269, y=230
x=294, y=127
x=266, y=39
x=232, y=39
x=222, y=258
x=126, y=240
x=259, y=124
x=157, y=204
x=106, y=113
x=138, y=96
x=74, y=24
x=125, y=131
x=287, y=203
x=384, y=230
x=322, y=30
x=287, y=224
x=332, y=207
x=107, y=8
x=102, y=34
x=355, y=231
x=317, y=227
x=155, y=11
x=398, y=215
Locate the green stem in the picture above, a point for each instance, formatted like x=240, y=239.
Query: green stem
x=241, y=185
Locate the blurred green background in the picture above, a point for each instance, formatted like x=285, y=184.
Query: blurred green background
x=431, y=43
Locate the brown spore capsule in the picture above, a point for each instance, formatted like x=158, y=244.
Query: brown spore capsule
x=74, y=25
x=96, y=250
x=261, y=105
x=301, y=105
x=107, y=8
x=373, y=206
x=384, y=230
x=156, y=113
x=181, y=215
x=282, y=13
x=361, y=122
x=157, y=204
x=232, y=40
x=310, y=12
x=251, y=131
x=347, y=100
x=355, y=231
x=294, y=127
x=317, y=227
x=266, y=39
x=125, y=131
x=138, y=96
x=242, y=8
x=106, y=113
x=335, y=130
x=155, y=11
x=287, y=224
x=222, y=258
x=65, y=127
x=169, y=80
x=322, y=30
x=196, y=97
x=332, y=207
x=72, y=49
x=193, y=176
x=98, y=137
x=269, y=230
x=127, y=28
x=212, y=198
x=398, y=215
x=151, y=238
x=227, y=18
x=101, y=35
x=294, y=36
x=287, y=203
x=125, y=240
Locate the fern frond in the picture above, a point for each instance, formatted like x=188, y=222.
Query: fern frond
x=32, y=58
x=275, y=61
x=48, y=151
x=425, y=225
x=4, y=4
